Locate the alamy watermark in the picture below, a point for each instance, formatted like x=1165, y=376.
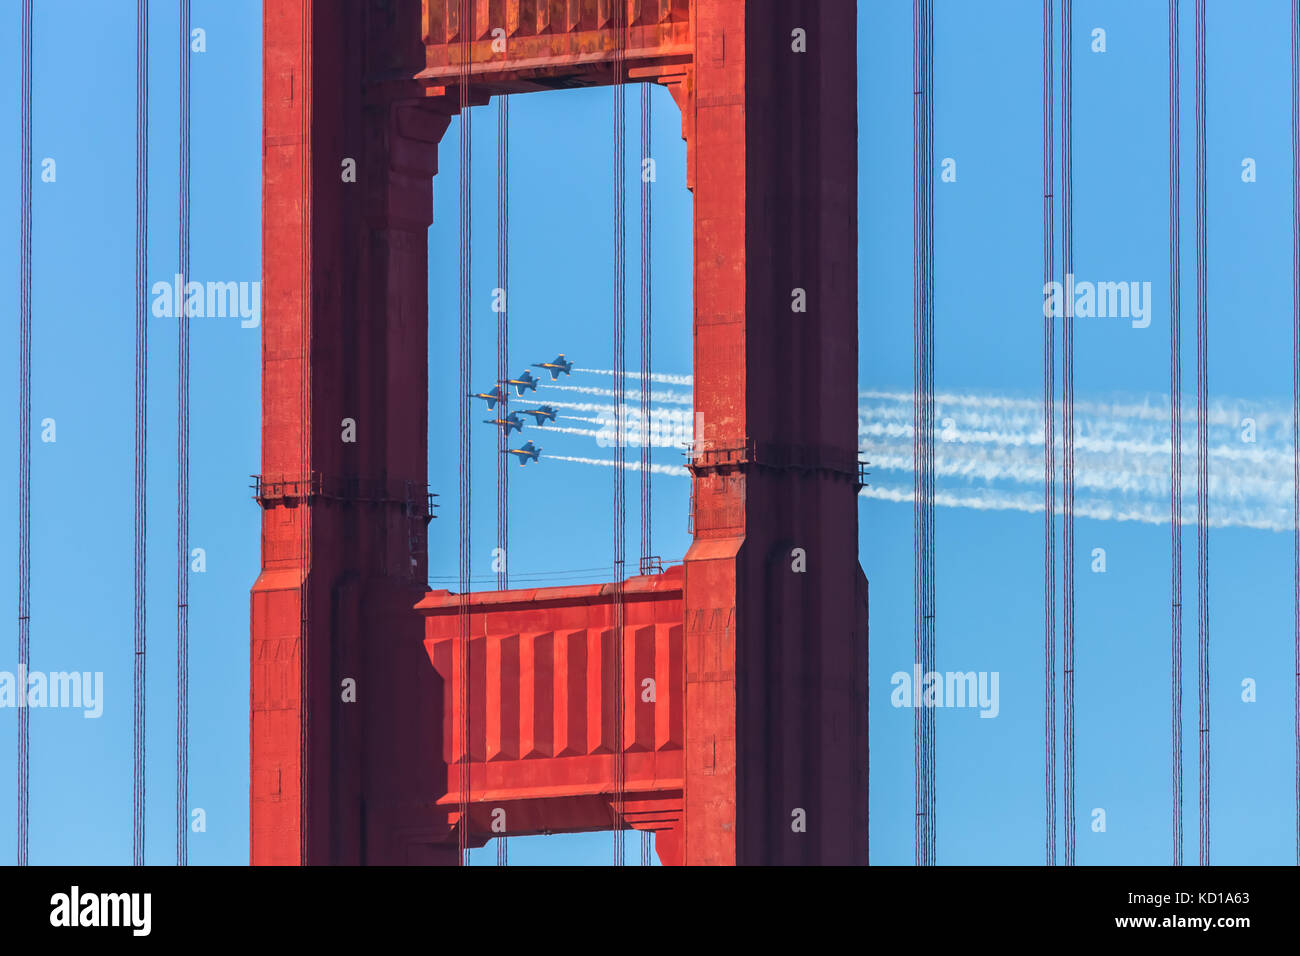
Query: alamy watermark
x=946, y=689
x=82, y=690
x=216, y=300
x=77, y=908
x=1102, y=300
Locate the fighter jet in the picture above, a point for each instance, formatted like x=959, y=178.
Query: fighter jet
x=528, y=451
x=543, y=414
x=524, y=381
x=556, y=367
x=492, y=397
x=508, y=422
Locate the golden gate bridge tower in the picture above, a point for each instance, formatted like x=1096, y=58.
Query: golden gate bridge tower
x=753, y=750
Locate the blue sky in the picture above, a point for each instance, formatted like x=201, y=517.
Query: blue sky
x=988, y=365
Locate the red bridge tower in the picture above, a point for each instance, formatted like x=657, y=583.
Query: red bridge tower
x=755, y=749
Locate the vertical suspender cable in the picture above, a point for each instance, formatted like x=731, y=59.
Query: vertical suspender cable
x=503, y=330
x=1049, y=456
x=1202, y=453
x=183, y=464
x=928, y=423
x=923, y=410
x=141, y=413
x=645, y=431
x=24, y=415
x=305, y=474
x=1067, y=410
x=1295, y=383
x=646, y=547
x=1175, y=443
x=618, y=687
x=465, y=26
x=503, y=349
x=918, y=309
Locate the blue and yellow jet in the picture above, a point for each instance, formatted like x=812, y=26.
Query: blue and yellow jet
x=511, y=421
x=524, y=381
x=528, y=451
x=543, y=414
x=492, y=397
x=556, y=367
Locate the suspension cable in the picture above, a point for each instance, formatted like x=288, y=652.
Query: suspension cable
x=1067, y=413
x=647, y=549
x=141, y=418
x=1175, y=443
x=183, y=464
x=462, y=672
x=1049, y=454
x=24, y=418
x=503, y=371
x=923, y=411
x=1202, y=453
x=1295, y=381
x=618, y=26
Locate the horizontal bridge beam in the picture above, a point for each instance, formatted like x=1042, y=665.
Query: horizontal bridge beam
x=542, y=735
x=521, y=45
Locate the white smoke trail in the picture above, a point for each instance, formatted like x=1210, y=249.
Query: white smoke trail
x=630, y=395
x=566, y=430
x=1031, y=502
x=662, y=378
x=659, y=438
x=676, y=416
x=1101, y=510
x=989, y=452
x=1221, y=411
x=1099, y=470
x=675, y=470
x=1115, y=455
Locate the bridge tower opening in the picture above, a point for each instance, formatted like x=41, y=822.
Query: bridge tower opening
x=766, y=664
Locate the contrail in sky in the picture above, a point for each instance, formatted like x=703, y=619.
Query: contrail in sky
x=631, y=394
x=676, y=470
x=662, y=378
x=990, y=452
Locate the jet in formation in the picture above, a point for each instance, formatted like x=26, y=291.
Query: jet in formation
x=492, y=397
x=556, y=366
x=507, y=422
x=523, y=382
x=529, y=451
x=543, y=414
